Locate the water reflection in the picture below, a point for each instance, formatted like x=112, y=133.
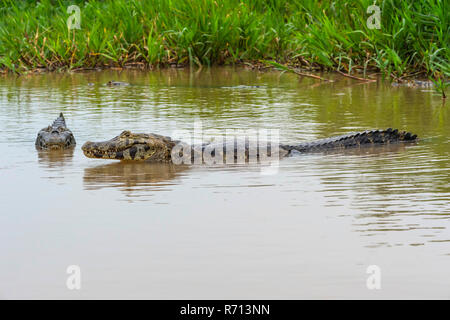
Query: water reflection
x=380, y=185
x=131, y=176
x=55, y=158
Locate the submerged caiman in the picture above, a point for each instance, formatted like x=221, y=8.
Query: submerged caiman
x=55, y=137
x=157, y=148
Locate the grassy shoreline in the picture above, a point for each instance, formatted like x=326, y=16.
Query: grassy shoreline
x=327, y=35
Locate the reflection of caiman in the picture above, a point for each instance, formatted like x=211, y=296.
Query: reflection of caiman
x=130, y=174
x=56, y=136
x=156, y=148
x=55, y=158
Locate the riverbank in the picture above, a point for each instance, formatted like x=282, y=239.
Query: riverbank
x=412, y=40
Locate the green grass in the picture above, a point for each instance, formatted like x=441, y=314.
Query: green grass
x=329, y=34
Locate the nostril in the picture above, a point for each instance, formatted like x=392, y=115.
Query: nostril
x=55, y=132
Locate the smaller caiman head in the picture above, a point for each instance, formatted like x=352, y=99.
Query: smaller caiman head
x=56, y=136
x=117, y=83
x=131, y=146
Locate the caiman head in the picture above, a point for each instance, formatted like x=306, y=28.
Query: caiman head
x=131, y=146
x=55, y=137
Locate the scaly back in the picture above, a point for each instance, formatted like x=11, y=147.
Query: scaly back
x=354, y=140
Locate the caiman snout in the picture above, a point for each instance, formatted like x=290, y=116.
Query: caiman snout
x=87, y=147
x=55, y=140
x=101, y=150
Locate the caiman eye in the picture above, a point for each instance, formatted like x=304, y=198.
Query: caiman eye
x=125, y=133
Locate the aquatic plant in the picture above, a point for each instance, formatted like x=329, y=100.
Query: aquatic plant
x=332, y=35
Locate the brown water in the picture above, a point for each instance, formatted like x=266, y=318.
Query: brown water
x=139, y=230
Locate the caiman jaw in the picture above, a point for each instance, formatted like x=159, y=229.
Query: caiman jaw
x=100, y=150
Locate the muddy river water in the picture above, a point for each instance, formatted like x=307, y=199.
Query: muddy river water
x=316, y=227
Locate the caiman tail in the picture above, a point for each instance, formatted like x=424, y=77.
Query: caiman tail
x=59, y=122
x=354, y=140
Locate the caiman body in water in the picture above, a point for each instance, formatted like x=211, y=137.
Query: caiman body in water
x=56, y=136
x=157, y=148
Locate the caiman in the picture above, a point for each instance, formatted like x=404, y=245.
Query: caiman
x=157, y=148
x=56, y=136
x=113, y=83
x=416, y=84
